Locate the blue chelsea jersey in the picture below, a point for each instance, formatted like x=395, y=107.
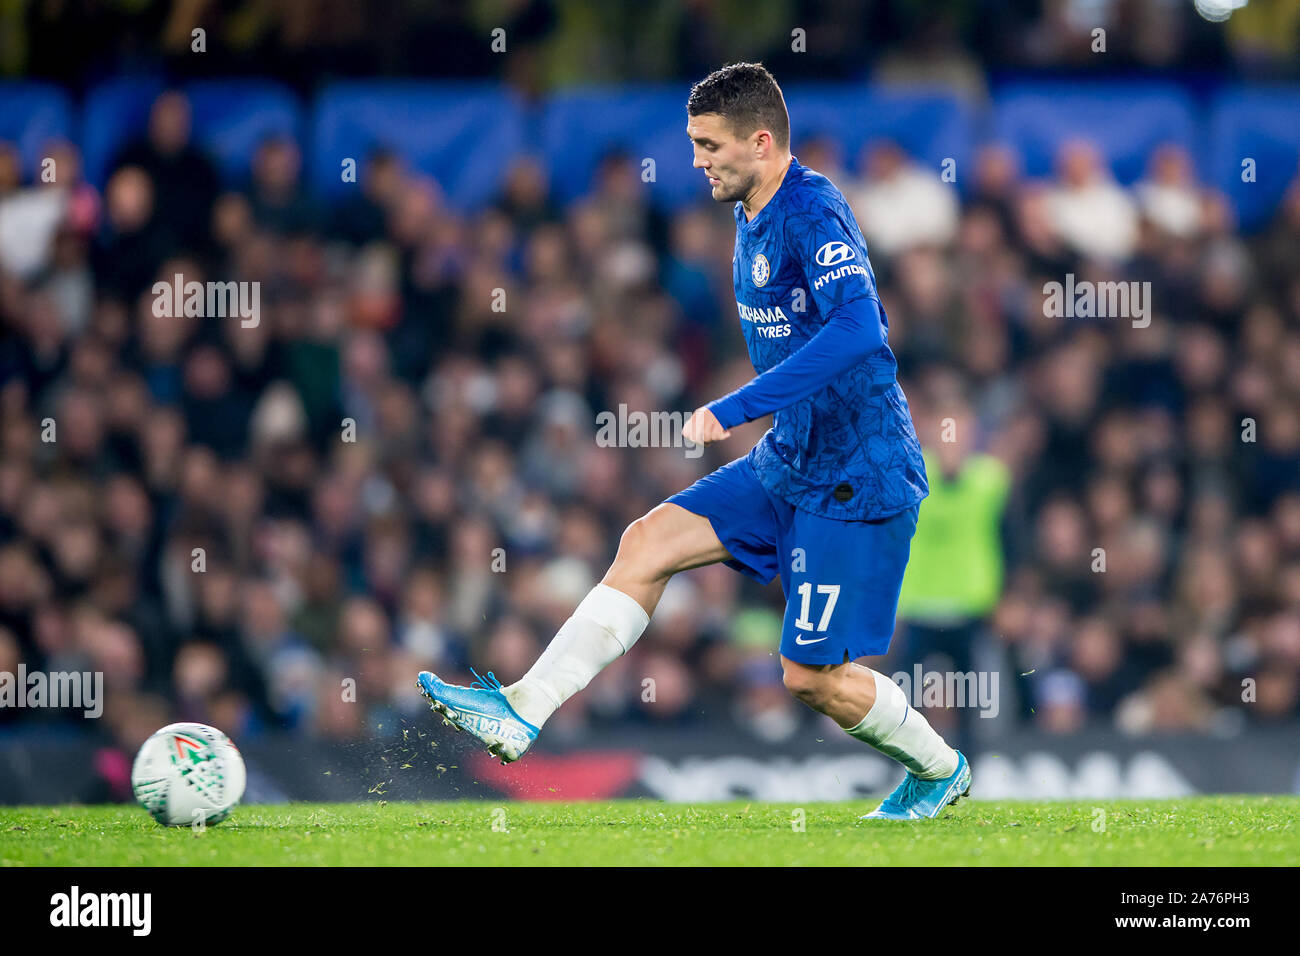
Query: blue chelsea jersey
x=848, y=450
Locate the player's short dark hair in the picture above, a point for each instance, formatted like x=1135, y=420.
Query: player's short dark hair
x=747, y=97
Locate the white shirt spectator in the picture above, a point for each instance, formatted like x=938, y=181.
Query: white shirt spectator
x=903, y=205
x=29, y=221
x=1168, y=196
x=1089, y=210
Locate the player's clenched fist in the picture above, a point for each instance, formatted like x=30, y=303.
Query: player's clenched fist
x=702, y=428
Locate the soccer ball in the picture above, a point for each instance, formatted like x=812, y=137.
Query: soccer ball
x=188, y=774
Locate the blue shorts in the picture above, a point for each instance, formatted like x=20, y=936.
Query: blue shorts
x=841, y=578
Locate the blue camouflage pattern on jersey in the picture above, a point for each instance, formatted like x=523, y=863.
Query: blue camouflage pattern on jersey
x=848, y=451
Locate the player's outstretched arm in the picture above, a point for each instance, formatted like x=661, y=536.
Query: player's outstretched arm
x=853, y=332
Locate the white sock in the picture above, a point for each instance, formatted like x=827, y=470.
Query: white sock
x=900, y=731
x=605, y=625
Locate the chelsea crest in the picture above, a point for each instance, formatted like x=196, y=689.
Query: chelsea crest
x=761, y=269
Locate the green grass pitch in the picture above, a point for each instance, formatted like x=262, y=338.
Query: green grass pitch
x=1198, y=831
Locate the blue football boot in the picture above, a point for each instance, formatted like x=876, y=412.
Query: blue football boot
x=917, y=799
x=482, y=710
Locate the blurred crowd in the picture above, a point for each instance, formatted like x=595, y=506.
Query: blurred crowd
x=274, y=526
x=539, y=45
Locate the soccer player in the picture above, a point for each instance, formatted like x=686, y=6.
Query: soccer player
x=827, y=499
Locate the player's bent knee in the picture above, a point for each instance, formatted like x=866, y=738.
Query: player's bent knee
x=664, y=541
x=640, y=550
x=808, y=684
